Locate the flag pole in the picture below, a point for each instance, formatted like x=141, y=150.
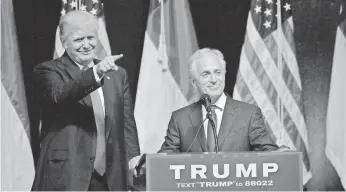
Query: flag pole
x=162, y=46
x=280, y=67
x=79, y=4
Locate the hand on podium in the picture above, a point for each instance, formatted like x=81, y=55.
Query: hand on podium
x=284, y=148
x=139, y=167
x=140, y=170
x=133, y=166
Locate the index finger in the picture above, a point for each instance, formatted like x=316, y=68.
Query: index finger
x=115, y=57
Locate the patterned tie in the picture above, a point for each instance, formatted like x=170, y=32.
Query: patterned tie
x=100, y=157
x=210, y=133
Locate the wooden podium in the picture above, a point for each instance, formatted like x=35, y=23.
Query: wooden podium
x=248, y=171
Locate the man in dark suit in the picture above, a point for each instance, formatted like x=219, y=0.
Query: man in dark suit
x=89, y=135
x=239, y=126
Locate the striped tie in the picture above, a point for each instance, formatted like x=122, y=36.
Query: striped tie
x=210, y=133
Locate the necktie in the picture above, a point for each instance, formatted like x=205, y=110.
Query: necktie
x=100, y=157
x=210, y=133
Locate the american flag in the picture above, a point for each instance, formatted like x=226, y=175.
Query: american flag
x=94, y=7
x=269, y=77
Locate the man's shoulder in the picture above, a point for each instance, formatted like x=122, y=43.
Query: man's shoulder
x=51, y=64
x=187, y=109
x=243, y=105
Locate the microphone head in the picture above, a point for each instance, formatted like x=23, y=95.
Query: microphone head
x=205, y=97
x=205, y=100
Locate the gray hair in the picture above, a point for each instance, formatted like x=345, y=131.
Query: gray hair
x=199, y=54
x=74, y=20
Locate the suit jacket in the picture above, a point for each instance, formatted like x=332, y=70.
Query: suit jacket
x=242, y=129
x=68, y=131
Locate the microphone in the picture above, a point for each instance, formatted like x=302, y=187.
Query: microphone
x=196, y=134
x=205, y=100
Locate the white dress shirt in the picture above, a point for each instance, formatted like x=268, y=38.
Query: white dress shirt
x=220, y=103
x=98, y=80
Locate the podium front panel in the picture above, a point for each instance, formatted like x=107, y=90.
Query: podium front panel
x=258, y=171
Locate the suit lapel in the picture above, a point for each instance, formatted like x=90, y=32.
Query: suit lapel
x=228, y=118
x=108, y=93
x=196, y=121
x=70, y=67
x=74, y=73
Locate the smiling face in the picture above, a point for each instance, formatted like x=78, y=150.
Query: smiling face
x=80, y=45
x=79, y=36
x=209, y=76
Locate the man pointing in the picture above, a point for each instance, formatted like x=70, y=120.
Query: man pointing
x=89, y=135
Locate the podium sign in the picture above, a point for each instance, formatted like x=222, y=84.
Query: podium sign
x=259, y=171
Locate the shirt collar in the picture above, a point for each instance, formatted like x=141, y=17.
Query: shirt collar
x=221, y=102
x=91, y=64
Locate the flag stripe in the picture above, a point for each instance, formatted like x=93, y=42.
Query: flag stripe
x=268, y=111
x=291, y=129
x=289, y=53
x=261, y=99
x=292, y=85
x=178, y=51
x=271, y=45
x=336, y=121
x=260, y=76
x=166, y=99
x=164, y=67
x=269, y=89
x=342, y=27
x=289, y=78
x=290, y=23
x=274, y=75
x=241, y=92
x=12, y=82
x=17, y=164
x=153, y=25
x=287, y=29
x=256, y=65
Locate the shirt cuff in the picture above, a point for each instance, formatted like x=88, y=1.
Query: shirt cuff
x=97, y=78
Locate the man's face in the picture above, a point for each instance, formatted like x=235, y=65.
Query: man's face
x=210, y=76
x=80, y=44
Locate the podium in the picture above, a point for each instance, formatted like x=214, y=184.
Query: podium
x=244, y=171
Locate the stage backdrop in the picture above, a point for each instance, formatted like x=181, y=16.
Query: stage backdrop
x=219, y=24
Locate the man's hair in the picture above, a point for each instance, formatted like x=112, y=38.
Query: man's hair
x=199, y=54
x=75, y=20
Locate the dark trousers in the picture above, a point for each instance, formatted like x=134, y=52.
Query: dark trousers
x=98, y=182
